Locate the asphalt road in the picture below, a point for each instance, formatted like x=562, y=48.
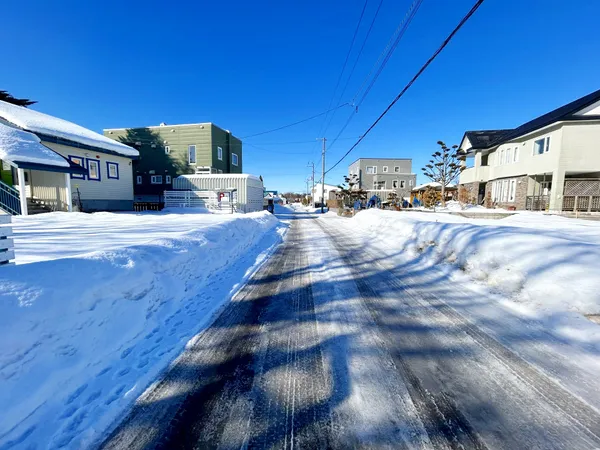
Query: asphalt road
x=328, y=347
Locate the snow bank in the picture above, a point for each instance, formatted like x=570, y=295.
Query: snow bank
x=38, y=122
x=83, y=336
x=550, y=263
x=21, y=146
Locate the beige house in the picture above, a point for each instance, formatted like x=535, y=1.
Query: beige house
x=50, y=164
x=550, y=163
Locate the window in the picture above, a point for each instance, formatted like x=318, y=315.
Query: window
x=402, y=184
x=192, y=154
x=385, y=169
x=541, y=146
x=378, y=185
x=138, y=179
x=234, y=159
x=93, y=169
x=167, y=149
x=220, y=153
x=516, y=155
x=410, y=183
x=512, y=191
x=371, y=170
x=80, y=162
x=156, y=179
x=397, y=169
x=112, y=170
x=395, y=184
x=168, y=179
x=508, y=155
x=501, y=161
x=484, y=159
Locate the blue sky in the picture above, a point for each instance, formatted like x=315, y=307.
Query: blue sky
x=254, y=66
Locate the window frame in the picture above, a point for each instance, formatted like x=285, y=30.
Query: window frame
x=501, y=161
x=110, y=164
x=138, y=180
x=73, y=158
x=89, y=176
x=373, y=172
x=512, y=190
x=394, y=184
x=168, y=179
x=190, y=146
x=220, y=153
x=154, y=177
x=508, y=155
x=234, y=159
x=384, y=169
x=402, y=184
x=396, y=169
x=516, y=155
x=167, y=149
x=545, y=147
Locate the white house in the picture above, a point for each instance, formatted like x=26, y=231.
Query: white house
x=317, y=193
x=51, y=164
x=551, y=162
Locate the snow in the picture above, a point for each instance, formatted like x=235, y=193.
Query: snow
x=21, y=146
x=547, y=263
x=98, y=305
x=433, y=184
x=38, y=122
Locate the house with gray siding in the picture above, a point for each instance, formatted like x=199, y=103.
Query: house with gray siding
x=168, y=151
x=549, y=163
x=383, y=176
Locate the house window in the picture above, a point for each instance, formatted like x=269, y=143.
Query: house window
x=168, y=179
x=192, y=154
x=410, y=183
x=385, y=169
x=397, y=169
x=138, y=179
x=371, y=170
x=93, y=169
x=512, y=191
x=112, y=170
x=219, y=153
x=541, y=146
x=508, y=155
x=402, y=184
x=485, y=159
x=501, y=157
x=156, y=179
x=395, y=184
x=234, y=159
x=167, y=149
x=378, y=185
x=80, y=162
x=516, y=155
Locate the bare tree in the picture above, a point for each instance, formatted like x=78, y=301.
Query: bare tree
x=444, y=167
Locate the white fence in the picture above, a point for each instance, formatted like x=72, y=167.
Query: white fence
x=6, y=242
x=215, y=201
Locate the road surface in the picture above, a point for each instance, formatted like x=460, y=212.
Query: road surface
x=329, y=345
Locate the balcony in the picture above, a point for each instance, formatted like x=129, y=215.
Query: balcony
x=475, y=174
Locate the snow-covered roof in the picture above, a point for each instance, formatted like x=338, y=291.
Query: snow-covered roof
x=17, y=145
x=196, y=176
x=38, y=122
x=433, y=184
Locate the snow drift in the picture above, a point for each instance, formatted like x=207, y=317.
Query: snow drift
x=548, y=262
x=83, y=336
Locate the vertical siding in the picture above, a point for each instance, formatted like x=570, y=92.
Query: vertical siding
x=50, y=188
x=105, y=189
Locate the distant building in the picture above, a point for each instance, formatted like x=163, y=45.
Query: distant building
x=383, y=176
x=330, y=191
x=168, y=151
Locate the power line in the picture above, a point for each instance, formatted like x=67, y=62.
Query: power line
x=411, y=82
x=295, y=123
x=389, y=49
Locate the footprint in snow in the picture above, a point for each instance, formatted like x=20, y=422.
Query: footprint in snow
x=76, y=394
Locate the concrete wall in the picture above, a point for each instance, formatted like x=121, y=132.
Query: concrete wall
x=106, y=194
x=403, y=174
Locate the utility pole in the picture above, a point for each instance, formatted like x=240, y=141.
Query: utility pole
x=312, y=193
x=323, y=175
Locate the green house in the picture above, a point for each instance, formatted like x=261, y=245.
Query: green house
x=167, y=151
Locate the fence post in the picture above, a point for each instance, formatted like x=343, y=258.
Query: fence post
x=7, y=252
